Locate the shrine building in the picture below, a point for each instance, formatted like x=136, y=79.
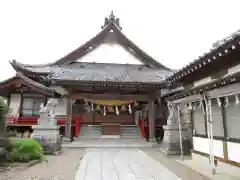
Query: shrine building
x=91, y=89
x=193, y=110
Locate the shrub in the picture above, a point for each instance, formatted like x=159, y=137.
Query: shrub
x=24, y=150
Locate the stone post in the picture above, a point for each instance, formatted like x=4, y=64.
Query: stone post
x=46, y=132
x=171, y=139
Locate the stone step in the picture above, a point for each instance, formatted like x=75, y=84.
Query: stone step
x=130, y=132
x=90, y=132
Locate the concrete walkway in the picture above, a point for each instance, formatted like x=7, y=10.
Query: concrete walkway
x=121, y=164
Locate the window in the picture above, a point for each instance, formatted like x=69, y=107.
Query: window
x=217, y=119
x=198, y=119
x=232, y=118
x=31, y=106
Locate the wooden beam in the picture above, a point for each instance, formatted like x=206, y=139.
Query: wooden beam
x=111, y=96
x=68, y=127
x=226, y=90
x=151, y=120
x=194, y=97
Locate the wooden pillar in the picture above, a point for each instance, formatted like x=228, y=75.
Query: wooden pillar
x=151, y=120
x=68, y=127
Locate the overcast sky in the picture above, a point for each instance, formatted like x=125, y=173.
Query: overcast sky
x=173, y=32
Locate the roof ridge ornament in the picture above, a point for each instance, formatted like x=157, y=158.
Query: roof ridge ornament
x=113, y=20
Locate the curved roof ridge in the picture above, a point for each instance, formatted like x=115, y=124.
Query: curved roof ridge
x=111, y=23
x=14, y=62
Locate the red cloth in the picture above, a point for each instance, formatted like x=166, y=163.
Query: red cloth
x=142, y=127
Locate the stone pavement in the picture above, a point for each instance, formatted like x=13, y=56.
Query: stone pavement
x=104, y=164
x=171, y=163
x=121, y=164
x=61, y=167
x=201, y=164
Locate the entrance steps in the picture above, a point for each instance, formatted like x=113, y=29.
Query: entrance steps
x=111, y=143
x=90, y=132
x=130, y=132
x=95, y=132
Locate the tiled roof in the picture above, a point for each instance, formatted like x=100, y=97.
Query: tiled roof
x=29, y=83
x=110, y=72
x=220, y=49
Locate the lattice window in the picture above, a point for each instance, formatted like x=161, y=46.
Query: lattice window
x=31, y=106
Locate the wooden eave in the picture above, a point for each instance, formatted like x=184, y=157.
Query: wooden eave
x=206, y=87
x=213, y=57
x=18, y=67
x=109, y=83
x=20, y=79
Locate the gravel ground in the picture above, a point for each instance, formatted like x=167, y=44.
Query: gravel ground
x=169, y=162
x=61, y=167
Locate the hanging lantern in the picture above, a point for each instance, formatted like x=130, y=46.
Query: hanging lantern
x=123, y=108
x=104, y=110
x=130, y=109
x=219, y=102
x=117, y=111
x=92, y=107
x=190, y=106
x=227, y=101
x=136, y=104
x=237, y=99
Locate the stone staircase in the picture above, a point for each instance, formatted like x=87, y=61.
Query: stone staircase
x=90, y=132
x=130, y=132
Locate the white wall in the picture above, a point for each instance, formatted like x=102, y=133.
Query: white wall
x=233, y=151
x=110, y=53
x=14, y=105
x=202, y=145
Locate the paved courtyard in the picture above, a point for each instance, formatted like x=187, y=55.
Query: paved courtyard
x=121, y=164
x=106, y=164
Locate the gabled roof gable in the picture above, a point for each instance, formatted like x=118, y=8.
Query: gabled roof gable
x=110, y=24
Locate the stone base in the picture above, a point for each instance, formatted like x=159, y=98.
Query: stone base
x=174, y=148
x=48, y=137
x=171, y=141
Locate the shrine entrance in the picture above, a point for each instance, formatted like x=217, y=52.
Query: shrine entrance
x=116, y=113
